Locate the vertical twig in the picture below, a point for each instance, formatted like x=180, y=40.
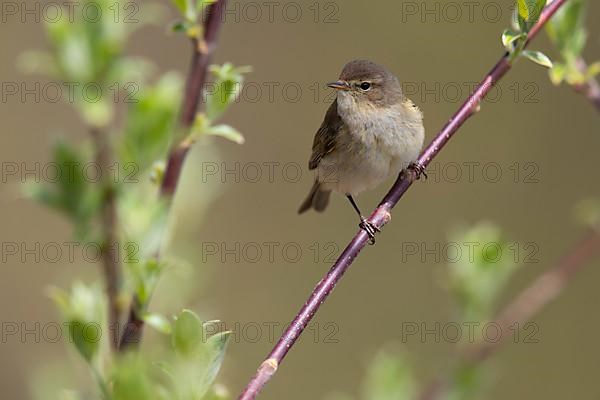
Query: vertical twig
x=202, y=50
x=380, y=217
x=109, y=225
x=528, y=303
x=201, y=59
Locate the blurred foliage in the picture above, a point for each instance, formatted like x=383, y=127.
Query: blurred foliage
x=567, y=31
x=485, y=266
x=192, y=11
x=84, y=310
x=87, y=53
x=587, y=213
x=188, y=372
x=222, y=93
x=389, y=377
x=476, y=281
x=72, y=193
x=150, y=122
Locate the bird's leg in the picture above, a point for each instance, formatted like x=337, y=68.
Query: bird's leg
x=418, y=170
x=364, y=224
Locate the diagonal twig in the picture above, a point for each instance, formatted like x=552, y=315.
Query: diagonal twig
x=380, y=217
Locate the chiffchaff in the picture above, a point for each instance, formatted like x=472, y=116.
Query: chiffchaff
x=370, y=132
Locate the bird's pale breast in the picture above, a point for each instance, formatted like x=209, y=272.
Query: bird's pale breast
x=373, y=144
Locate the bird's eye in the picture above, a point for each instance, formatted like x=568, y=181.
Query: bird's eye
x=365, y=86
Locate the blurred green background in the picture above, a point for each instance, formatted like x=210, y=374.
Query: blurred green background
x=549, y=135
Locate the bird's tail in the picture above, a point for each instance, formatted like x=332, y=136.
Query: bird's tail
x=317, y=199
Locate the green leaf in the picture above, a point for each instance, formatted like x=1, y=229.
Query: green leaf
x=592, y=70
x=537, y=8
x=83, y=310
x=131, y=381
x=151, y=122
x=181, y=5
x=144, y=221
x=71, y=189
x=523, y=8
x=226, y=132
x=389, y=378
x=201, y=128
x=478, y=269
x=538, y=58
x=144, y=274
x=166, y=368
x=215, y=348
x=202, y=4
x=557, y=73
x=158, y=322
x=193, y=373
x=467, y=380
x=187, y=8
x=96, y=113
x=187, y=333
x=567, y=20
x=530, y=10
x=509, y=37
x=515, y=20
x=85, y=337
x=566, y=29
x=179, y=26
x=587, y=213
x=225, y=90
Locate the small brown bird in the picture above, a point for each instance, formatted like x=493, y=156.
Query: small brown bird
x=370, y=132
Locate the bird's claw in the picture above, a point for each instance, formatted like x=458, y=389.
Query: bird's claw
x=370, y=229
x=418, y=169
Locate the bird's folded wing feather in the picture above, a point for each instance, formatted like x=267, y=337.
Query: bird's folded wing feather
x=325, y=138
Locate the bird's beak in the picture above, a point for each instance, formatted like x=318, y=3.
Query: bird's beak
x=339, y=85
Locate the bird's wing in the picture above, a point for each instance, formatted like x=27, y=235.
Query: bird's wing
x=325, y=138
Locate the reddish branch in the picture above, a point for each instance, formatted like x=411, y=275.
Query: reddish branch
x=380, y=217
x=202, y=50
x=201, y=59
x=543, y=290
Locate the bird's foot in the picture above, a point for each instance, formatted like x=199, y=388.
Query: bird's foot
x=418, y=169
x=370, y=229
